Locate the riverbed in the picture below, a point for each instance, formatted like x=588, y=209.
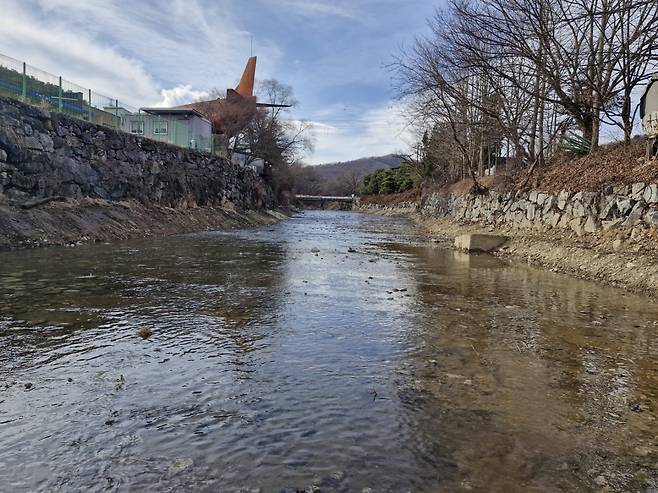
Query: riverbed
x=333, y=351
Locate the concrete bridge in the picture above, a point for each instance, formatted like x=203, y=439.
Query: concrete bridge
x=321, y=201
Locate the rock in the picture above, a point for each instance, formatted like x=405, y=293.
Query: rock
x=636, y=234
x=589, y=199
x=651, y=218
x=592, y=225
x=555, y=220
x=533, y=197
x=637, y=190
x=623, y=206
x=623, y=190
x=607, y=205
x=651, y=194
x=600, y=481
x=642, y=451
x=576, y=226
x=179, y=465
x=33, y=143
x=3, y=156
x=28, y=386
x=564, y=221
x=46, y=143
x=530, y=212
x=608, y=225
x=145, y=332
x=562, y=199
x=549, y=202
x=635, y=215
x=617, y=244
x=578, y=209
x=480, y=242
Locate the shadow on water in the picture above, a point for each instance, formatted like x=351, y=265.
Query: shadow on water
x=334, y=350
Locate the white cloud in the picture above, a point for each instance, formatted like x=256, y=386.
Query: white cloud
x=180, y=95
x=73, y=55
x=131, y=50
x=377, y=132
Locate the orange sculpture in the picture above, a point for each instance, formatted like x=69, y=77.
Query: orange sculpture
x=231, y=114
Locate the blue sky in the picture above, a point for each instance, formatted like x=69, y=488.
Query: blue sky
x=333, y=53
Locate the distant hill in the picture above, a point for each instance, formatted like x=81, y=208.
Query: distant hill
x=341, y=178
x=361, y=167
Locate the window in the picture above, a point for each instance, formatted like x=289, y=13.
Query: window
x=161, y=127
x=137, y=127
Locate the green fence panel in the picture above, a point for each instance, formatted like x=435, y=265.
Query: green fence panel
x=19, y=80
x=42, y=88
x=12, y=80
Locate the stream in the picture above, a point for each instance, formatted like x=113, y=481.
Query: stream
x=334, y=351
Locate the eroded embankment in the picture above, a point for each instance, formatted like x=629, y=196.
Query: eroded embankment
x=94, y=220
x=602, y=256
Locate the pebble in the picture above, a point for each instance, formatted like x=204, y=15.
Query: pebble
x=600, y=481
x=642, y=451
x=28, y=386
x=145, y=332
x=180, y=465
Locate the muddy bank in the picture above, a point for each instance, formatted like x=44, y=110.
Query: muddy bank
x=97, y=220
x=585, y=257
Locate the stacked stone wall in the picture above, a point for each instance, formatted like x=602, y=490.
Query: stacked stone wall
x=633, y=208
x=47, y=154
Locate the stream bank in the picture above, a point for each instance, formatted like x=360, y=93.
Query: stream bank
x=96, y=220
x=631, y=264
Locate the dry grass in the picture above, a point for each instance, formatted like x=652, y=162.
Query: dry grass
x=394, y=198
x=614, y=165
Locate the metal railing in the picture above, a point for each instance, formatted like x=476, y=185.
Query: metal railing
x=21, y=81
x=28, y=84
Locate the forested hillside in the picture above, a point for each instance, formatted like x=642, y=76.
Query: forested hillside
x=341, y=178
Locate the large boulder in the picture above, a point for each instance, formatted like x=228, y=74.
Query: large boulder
x=480, y=242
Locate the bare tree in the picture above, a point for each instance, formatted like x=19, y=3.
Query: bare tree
x=511, y=77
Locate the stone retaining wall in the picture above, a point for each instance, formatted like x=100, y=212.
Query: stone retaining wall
x=47, y=154
x=634, y=208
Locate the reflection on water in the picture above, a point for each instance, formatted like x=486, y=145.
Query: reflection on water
x=330, y=351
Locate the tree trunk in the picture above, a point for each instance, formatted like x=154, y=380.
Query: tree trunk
x=596, y=124
x=626, y=118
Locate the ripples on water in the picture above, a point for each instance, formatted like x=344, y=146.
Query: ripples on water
x=281, y=360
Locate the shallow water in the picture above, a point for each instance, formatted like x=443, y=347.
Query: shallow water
x=334, y=351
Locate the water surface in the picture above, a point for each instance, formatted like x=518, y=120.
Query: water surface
x=331, y=352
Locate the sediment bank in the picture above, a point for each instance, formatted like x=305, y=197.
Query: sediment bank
x=97, y=220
